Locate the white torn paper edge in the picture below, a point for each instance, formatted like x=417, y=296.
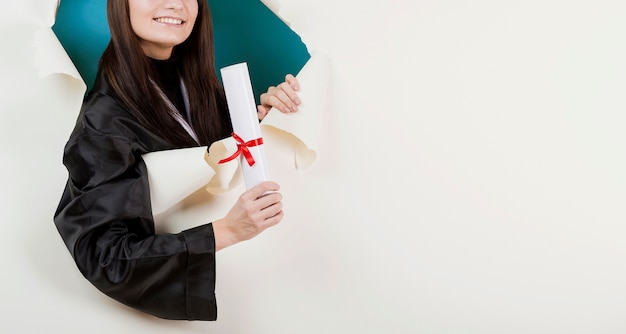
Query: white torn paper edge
x=175, y=174
x=50, y=57
x=274, y=6
x=40, y=13
x=304, y=127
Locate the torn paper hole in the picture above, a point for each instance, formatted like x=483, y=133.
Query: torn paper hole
x=302, y=129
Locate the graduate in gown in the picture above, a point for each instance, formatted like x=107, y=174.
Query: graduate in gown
x=156, y=89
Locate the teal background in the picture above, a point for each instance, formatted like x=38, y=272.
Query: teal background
x=245, y=31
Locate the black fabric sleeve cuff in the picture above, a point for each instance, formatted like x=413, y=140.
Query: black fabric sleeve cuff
x=201, y=303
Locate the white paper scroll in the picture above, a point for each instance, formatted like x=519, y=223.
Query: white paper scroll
x=243, y=115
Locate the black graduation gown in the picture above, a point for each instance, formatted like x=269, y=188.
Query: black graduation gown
x=105, y=218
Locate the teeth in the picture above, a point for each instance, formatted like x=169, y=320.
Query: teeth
x=168, y=20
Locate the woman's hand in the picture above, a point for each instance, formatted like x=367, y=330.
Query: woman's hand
x=283, y=97
x=256, y=209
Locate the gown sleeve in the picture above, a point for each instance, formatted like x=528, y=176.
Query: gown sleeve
x=105, y=220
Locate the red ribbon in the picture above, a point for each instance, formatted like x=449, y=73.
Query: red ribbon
x=242, y=148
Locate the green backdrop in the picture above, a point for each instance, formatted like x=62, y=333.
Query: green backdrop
x=245, y=30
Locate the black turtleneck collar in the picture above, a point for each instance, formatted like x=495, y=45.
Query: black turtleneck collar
x=168, y=80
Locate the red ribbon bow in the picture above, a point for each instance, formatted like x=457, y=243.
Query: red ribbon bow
x=242, y=148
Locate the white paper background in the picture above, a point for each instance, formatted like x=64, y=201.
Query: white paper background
x=470, y=180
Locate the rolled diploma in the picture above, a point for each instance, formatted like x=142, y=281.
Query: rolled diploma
x=243, y=115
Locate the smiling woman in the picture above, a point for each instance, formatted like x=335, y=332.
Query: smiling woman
x=156, y=89
x=241, y=29
x=160, y=28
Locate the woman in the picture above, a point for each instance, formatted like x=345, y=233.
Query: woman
x=156, y=90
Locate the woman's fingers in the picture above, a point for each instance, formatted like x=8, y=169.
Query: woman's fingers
x=283, y=97
x=292, y=81
x=260, y=189
x=272, y=220
x=281, y=101
x=257, y=209
x=262, y=111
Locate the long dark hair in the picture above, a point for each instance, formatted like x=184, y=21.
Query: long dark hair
x=128, y=71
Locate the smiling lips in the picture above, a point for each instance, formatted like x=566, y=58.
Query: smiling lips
x=169, y=20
